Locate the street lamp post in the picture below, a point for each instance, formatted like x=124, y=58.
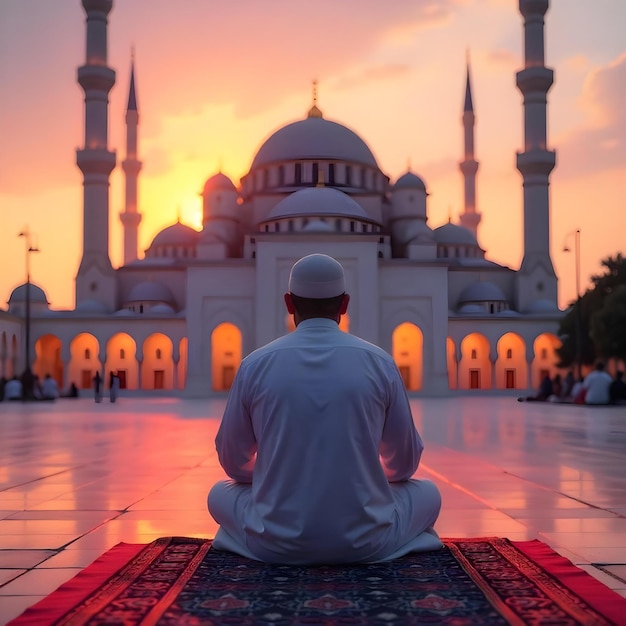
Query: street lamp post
x=577, y=321
x=27, y=371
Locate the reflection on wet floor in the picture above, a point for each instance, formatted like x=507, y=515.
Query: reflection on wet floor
x=77, y=478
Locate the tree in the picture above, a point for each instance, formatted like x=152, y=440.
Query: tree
x=608, y=326
x=575, y=325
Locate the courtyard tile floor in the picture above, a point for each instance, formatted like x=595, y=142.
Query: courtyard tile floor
x=76, y=478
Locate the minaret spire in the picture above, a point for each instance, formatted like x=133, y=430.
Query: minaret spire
x=470, y=218
x=95, y=279
x=131, y=218
x=536, y=277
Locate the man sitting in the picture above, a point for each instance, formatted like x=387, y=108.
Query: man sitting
x=597, y=383
x=319, y=440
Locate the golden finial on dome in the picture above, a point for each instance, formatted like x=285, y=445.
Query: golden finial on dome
x=314, y=111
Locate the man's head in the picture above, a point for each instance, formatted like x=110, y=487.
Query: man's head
x=316, y=289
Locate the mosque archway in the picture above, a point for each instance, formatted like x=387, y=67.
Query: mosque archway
x=407, y=348
x=84, y=360
x=157, y=367
x=475, y=366
x=122, y=359
x=451, y=363
x=183, y=350
x=225, y=355
x=48, y=359
x=511, y=368
x=545, y=358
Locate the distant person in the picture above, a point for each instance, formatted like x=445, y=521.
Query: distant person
x=319, y=440
x=49, y=388
x=28, y=384
x=3, y=382
x=557, y=388
x=13, y=389
x=97, y=387
x=114, y=385
x=579, y=392
x=617, y=390
x=597, y=383
x=72, y=391
x=568, y=385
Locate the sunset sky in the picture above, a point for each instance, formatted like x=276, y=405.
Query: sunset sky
x=215, y=78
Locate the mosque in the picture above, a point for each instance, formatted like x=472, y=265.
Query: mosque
x=183, y=315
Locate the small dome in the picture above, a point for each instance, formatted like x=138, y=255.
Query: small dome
x=417, y=231
x=482, y=291
x=218, y=182
x=453, y=234
x=317, y=226
x=123, y=313
x=472, y=309
x=150, y=291
x=410, y=181
x=162, y=308
x=316, y=202
x=314, y=138
x=176, y=235
x=35, y=294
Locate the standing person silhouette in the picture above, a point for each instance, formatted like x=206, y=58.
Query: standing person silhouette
x=97, y=387
x=319, y=441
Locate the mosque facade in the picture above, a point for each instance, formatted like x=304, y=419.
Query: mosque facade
x=183, y=315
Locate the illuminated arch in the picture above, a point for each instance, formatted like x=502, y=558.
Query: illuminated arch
x=84, y=360
x=122, y=359
x=545, y=358
x=475, y=366
x=48, y=358
x=451, y=362
x=511, y=368
x=157, y=367
x=225, y=355
x=407, y=343
x=183, y=351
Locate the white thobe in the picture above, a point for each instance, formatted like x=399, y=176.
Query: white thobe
x=319, y=440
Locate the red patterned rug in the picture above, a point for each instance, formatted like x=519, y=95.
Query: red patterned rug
x=180, y=581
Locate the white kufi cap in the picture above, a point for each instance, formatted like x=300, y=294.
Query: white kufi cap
x=317, y=276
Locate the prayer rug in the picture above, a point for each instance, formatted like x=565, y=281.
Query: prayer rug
x=180, y=581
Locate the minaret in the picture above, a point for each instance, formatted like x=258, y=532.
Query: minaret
x=130, y=218
x=95, y=279
x=536, y=277
x=469, y=166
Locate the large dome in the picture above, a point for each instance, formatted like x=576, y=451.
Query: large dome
x=452, y=234
x=35, y=294
x=176, y=235
x=314, y=138
x=318, y=202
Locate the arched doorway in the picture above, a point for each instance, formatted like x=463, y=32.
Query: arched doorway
x=475, y=366
x=157, y=367
x=122, y=359
x=84, y=360
x=545, y=359
x=48, y=359
x=225, y=355
x=511, y=368
x=407, y=343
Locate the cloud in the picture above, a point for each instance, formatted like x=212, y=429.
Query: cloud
x=601, y=142
x=369, y=75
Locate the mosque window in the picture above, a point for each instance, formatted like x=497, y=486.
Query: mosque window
x=491, y=308
x=159, y=354
x=364, y=228
x=474, y=354
x=281, y=175
x=352, y=226
x=338, y=225
x=267, y=228
x=363, y=174
x=122, y=353
x=509, y=354
x=265, y=179
x=298, y=174
x=93, y=286
x=141, y=308
x=316, y=173
x=348, y=175
x=276, y=227
x=290, y=226
x=87, y=354
x=544, y=353
x=331, y=173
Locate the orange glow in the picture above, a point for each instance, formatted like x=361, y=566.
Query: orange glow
x=84, y=362
x=511, y=369
x=157, y=367
x=122, y=359
x=407, y=351
x=545, y=357
x=451, y=362
x=48, y=359
x=225, y=355
x=475, y=366
x=182, y=362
